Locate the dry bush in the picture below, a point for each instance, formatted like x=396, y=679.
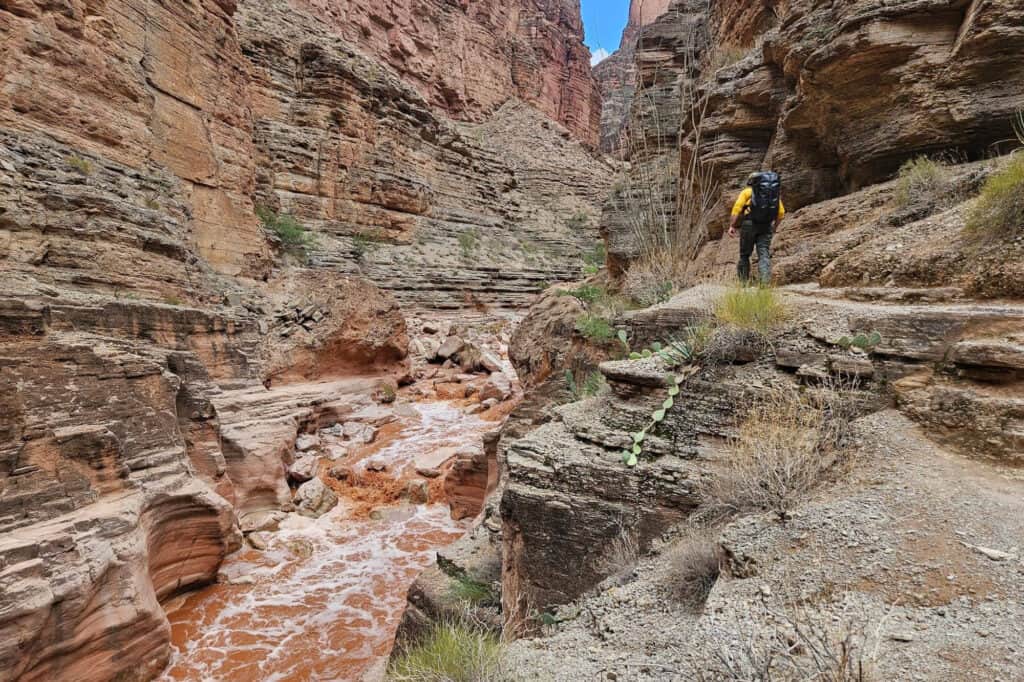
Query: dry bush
x=923, y=180
x=998, y=212
x=784, y=446
x=621, y=554
x=667, y=205
x=693, y=568
x=790, y=642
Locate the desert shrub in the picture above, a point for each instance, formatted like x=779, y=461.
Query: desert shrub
x=999, y=210
x=594, y=327
x=693, y=568
x=591, y=385
x=83, y=166
x=757, y=309
x=593, y=259
x=451, y=651
x=366, y=242
x=292, y=235
x=472, y=592
x=789, y=641
x=649, y=284
x=783, y=447
x=587, y=293
x=469, y=241
x=578, y=221
x=923, y=177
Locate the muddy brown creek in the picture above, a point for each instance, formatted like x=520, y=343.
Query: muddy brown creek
x=322, y=602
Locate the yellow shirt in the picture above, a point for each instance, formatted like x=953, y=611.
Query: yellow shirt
x=743, y=202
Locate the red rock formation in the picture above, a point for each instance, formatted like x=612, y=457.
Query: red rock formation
x=837, y=97
x=139, y=83
x=467, y=59
x=616, y=75
x=142, y=307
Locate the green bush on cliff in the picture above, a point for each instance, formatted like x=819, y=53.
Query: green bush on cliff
x=454, y=651
x=922, y=179
x=999, y=211
x=594, y=327
x=292, y=235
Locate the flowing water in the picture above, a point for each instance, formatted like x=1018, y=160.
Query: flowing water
x=323, y=601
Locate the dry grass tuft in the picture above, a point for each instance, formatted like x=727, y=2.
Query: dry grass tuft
x=622, y=554
x=693, y=568
x=785, y=445
x=757, y=309
x=999, y=211
x=452, y=651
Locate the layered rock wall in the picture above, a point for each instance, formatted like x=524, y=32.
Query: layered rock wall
x=836, y=98
x=467, y=59
x=444, y=215
x=616, y=76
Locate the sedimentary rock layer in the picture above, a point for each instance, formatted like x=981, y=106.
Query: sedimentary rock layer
x=616, y=76
x=467, y=59
x=835, y=98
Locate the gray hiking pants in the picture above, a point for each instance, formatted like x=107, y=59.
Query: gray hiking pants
x=752, y=235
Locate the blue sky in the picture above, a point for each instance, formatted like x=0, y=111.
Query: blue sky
x=604, y=21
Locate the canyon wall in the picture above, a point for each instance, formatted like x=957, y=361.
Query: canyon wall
x=158, y=350
x=837, y=98
x=616, y=75
x=442, y=214
x=467, y=59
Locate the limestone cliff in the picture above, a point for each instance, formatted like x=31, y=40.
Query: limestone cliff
x=835, y=98
x=467, y=59
x=616, y=75
x=159, y=352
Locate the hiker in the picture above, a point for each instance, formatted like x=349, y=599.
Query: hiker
x=760, y=207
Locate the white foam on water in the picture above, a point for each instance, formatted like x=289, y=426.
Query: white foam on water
x=319, y=618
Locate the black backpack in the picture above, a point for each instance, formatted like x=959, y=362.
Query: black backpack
x=766, y=195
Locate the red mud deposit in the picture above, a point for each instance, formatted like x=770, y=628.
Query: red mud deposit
x=323, y=601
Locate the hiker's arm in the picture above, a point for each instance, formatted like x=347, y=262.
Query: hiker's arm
x=737, y=211
x=781, y=217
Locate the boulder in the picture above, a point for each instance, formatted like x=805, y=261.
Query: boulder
x=303, y=469
x=376, y=465
x=340, y=473
x=418, y=491
x=261, y=521
x=490, y=362
x=497, y=387
x=336, y=452
x=314, y=499
x=259, y=540
x=359, y=433
x=451, y=347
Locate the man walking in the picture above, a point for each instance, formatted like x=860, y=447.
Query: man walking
x=760, y=208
